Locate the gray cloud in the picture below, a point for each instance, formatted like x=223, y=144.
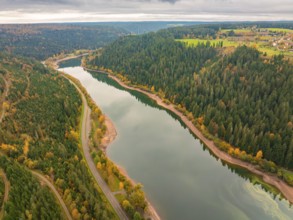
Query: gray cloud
x=170, y=1
x=26, y=10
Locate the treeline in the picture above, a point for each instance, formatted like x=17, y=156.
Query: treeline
x=210, y=30
x=40, y=130
x=195, y=31
x=240, y=98
x=130, y=196
x=42, y=41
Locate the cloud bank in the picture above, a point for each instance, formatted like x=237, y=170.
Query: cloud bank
x=19, y=11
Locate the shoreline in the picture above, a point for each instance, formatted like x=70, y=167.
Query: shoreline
x=284, y=188
x=55, y=63
x=85, y=131
x=109, y=138
x=151, y=212
x=110, y=134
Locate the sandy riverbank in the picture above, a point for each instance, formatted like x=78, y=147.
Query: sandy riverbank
x=108, y=138
x=110, y=134
x=284, y=188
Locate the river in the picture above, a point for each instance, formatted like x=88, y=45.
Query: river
x=181, y=178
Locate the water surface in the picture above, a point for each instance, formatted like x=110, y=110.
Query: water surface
x=181, y=178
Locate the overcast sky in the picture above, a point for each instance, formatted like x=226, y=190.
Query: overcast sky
x=22, y=11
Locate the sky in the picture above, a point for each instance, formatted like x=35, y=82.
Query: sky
x=39, y=11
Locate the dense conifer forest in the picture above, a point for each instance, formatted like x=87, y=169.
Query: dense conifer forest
x=41, y=41
x=242, y=97
x=40, y=131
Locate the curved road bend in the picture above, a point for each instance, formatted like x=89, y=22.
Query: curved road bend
x=6, y=192
x=86, y=127
x=51, y=186
x=39, y=176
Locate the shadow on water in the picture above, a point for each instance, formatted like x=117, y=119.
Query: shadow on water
x=70, y=63
x=142, y=98
x=243, y=173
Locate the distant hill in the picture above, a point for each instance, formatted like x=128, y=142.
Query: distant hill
x=143, y=27
x=41, y=41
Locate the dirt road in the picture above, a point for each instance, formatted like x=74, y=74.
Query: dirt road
x=6, y=192
x=51, y=186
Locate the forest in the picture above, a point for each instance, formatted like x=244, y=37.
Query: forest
x=242, y=99
x=40, y=131
x=130, y=195
x=41, y=41
x=33, y=201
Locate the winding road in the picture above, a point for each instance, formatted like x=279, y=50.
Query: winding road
x=3, y=98
x=51, y=186
x=86, y=128
x=6, y=192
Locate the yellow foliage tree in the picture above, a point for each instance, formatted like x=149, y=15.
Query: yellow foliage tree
x=7, y=148
x=121, y=185
x=28, y=215
x=99, y=166
x=125, y=204
x=5, y=105
x=75, y=214
x=76, y=158
x=237, y=151
x=97, y=111
x=101, y=119
x=31, y=164
x=259, y=155
x=200, y=120
x=73, y=135
x=231, y=151
x=26, y=147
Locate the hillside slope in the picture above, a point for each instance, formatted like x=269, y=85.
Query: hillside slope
x=239, y=98
x=40, y=131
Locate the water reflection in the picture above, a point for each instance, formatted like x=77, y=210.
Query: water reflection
x=179, y=175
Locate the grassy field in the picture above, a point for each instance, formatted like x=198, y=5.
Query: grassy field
x=270, y=51
x=280, y=30
x=195, y=42
x=246, y=31
x=237, y=31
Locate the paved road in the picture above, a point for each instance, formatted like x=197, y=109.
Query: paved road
x=51, y=186
x=3, y=98
x=86, y=127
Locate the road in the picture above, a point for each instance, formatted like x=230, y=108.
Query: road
x=3, y=98
x=6, y=192
x=51, y=186
x=86, y=128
